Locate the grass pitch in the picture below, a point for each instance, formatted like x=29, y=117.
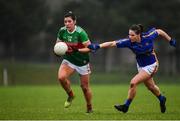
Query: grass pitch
x=46, y=103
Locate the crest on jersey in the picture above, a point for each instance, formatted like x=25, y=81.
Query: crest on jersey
x=69, y=38
x=146, y=43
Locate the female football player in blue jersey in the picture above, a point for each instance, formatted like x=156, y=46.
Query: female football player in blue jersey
x=141, y=44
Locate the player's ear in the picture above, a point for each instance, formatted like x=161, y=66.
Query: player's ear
x=74, y=21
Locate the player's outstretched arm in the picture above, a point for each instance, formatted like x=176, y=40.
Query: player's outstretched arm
x=108, y=44
x=162, y=33
x=86, y=49
x=94, y=46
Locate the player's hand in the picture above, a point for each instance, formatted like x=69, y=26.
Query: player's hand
x=74, y=48
x=94, y=47
x=172, y=42
x=71, y=49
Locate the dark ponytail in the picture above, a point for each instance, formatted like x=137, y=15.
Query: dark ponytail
x=70, y=14
x=137, y=28
x=141, y=27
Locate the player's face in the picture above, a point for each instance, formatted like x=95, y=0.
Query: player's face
x=69, y=23
x=133, y=36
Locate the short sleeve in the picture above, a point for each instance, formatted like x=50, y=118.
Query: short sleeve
x=60, y=33
x=83, y=36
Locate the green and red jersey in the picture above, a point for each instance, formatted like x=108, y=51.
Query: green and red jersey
x=77, y=38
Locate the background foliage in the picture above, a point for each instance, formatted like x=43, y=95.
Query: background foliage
x=28, y=29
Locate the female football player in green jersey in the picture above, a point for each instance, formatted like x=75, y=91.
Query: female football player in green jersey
x=75, y=37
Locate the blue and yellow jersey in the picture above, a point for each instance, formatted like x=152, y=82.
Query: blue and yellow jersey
x=144, y=50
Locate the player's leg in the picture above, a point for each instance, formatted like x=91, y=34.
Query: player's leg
x=150, y=84
x=86, y=91
x=84, y=72
x=64, y=72
x=140, y=77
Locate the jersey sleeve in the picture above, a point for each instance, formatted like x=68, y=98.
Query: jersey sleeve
x=60, y=33
x=83, y=36
x=151, y=34
x=123, y=43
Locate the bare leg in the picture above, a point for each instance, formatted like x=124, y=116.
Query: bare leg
x=86, y=90
x=150, y=84
x=140, y=77
x=64, y=72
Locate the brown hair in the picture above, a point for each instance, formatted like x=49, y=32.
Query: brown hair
x=70, y=14
x=137, y=28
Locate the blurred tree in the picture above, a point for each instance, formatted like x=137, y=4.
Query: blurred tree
x=107, y=20
x=20, y=20
x=104, y=20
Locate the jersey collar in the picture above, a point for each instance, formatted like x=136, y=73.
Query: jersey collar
x=73, y=30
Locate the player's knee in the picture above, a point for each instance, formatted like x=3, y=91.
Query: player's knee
x=84, y=88
x=151, y=87
x=62, y=78
x=133, y=84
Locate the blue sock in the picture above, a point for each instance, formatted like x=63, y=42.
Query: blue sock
x=160, y=97
x=128, y=102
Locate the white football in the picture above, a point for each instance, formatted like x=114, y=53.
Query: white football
x=60, y=48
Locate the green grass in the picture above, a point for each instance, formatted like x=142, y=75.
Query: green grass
x=46, y=102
